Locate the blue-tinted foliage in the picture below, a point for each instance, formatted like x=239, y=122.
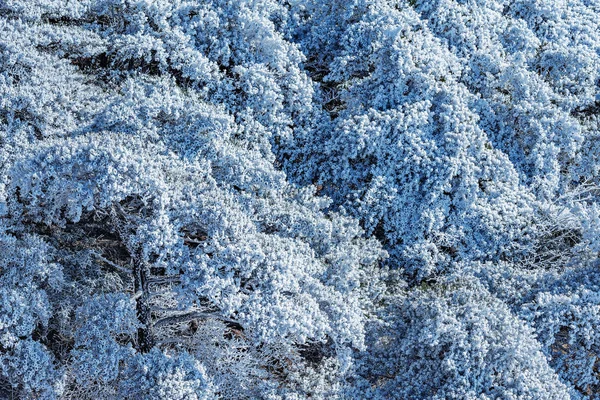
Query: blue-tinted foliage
x=291, y=199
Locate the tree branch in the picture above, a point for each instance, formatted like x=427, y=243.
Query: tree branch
x=163, y=280
x=112, y=264
x=176, y=319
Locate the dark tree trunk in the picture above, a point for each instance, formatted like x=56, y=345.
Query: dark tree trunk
x=140, y=273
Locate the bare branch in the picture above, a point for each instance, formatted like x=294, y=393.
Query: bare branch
x=137, y=295
x=163, y=280
x=112, y=264
x=176, y=319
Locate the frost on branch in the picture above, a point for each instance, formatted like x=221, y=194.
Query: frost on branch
x=272, y=199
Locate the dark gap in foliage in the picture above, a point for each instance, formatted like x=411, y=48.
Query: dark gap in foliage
x=9, y=14
x=379, y=232
x=51, y=337
x=314, y=352
x=100, y=61
x=585, y=112
x=7, y=391
x=92, y=232
x=563, y=348
x=61, y=20
x=233, y=331
x=331, y=92
x=194, y=238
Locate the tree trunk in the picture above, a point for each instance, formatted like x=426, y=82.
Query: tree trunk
x=140, y=273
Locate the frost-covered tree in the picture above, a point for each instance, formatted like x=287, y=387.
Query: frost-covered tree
x=445, y=134
x=163, y=210
x=403, y=151
x=27, y=276
x=534, y=66
x=456, y=342
x=198, y=199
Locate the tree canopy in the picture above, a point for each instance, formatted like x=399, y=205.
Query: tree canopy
x=299, y=199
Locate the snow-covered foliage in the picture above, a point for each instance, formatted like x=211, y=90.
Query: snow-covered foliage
x=293, y=199
x=457, y=342
x=403, y=151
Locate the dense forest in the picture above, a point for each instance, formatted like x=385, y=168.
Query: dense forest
x=300, y=199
